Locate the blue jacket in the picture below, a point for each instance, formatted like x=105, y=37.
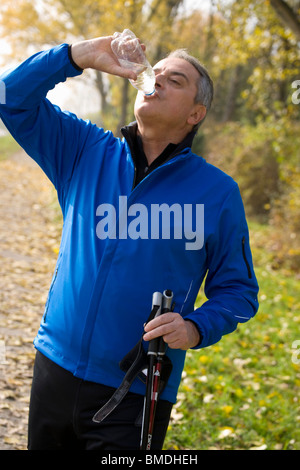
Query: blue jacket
x=111, y=259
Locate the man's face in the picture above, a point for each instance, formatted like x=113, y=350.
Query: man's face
x=173, y=103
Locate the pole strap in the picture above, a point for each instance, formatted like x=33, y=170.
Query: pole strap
x=134, y=368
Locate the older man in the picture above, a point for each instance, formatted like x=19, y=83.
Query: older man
x=142, y=214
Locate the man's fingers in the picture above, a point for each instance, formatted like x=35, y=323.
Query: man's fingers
x=162, y=325
x=124, y=73
x=176, y=332
x=155, y=333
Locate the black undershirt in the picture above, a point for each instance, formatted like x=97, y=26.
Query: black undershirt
x=142, y=168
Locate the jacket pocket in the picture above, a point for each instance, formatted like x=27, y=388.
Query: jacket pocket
x=50, y=290
x=245, y=258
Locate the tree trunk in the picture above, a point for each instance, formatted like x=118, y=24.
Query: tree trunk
x=124, y=105
x=102, y=91
x=232, y=94
x=287, y=15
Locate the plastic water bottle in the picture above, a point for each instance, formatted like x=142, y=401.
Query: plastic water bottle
x=130, y=55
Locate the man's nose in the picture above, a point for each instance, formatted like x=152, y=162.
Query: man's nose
x=159, y=80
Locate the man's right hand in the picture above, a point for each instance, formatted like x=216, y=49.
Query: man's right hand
x=97, y=54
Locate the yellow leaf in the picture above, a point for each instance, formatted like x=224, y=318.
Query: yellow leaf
x=239, y=392
x=227, y=409
x=204, y=359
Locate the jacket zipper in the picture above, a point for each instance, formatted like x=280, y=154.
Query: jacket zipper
x=245, y=258
x=167, y=162
x=134, y=177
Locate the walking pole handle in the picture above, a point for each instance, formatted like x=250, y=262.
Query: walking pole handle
x=167, y=301
x=156, y=303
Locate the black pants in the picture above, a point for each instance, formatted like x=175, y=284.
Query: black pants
x=62, y=407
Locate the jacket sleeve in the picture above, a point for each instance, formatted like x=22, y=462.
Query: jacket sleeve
x=230, y=286
x=54, y=139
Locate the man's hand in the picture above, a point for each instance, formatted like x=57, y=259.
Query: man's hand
x=97, y=54
x=176, y=332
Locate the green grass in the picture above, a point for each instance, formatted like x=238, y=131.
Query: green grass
x=243, y=392
x=8, y=146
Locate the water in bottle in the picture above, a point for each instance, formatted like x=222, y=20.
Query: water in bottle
x=130, y=55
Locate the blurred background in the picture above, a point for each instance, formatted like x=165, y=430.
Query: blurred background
x=252, y=50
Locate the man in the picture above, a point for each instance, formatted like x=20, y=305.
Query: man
x=141, y=215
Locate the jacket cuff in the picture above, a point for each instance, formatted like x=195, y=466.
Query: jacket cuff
x=72, y=60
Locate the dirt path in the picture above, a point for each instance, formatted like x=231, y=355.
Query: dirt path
x=29, y=241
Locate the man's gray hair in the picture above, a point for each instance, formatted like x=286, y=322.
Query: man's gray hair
x=205, y=84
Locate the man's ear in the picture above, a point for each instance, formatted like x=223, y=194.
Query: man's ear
x=197, y=115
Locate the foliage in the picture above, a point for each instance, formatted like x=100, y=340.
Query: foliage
x=256, y=156
x=264, y=160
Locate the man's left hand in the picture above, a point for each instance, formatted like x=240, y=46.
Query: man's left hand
x=176, y=332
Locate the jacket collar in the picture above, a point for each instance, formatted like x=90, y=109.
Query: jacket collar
x=130, y=134
x=139, y=158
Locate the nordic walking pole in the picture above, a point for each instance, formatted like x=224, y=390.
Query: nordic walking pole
x=161, y=351
x=167, y=306
x=152, y=354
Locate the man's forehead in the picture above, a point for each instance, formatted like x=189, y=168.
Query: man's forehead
x=176, y=64
x=169, y=62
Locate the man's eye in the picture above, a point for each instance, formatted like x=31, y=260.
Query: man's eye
x=174, y=81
